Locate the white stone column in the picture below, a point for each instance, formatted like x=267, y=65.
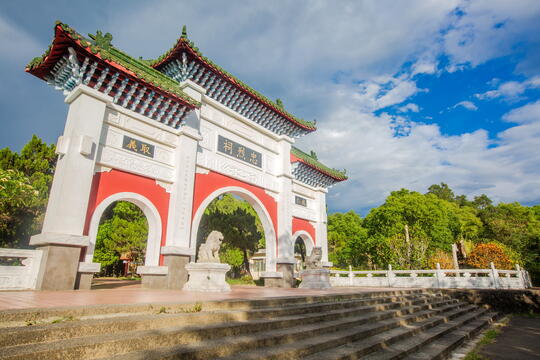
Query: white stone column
x=62, y=236
x=285, y=260
x=321, y=225
x=178, y=251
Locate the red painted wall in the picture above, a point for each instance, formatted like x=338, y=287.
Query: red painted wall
x=109, y=183
x=205, y=184
x=301, y=224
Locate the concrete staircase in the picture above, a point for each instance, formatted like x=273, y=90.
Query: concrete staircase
x=416, y=324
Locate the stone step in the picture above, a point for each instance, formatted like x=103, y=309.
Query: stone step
x=443, y=347
x=322, y=344
x=19, y=316
x=72, y=329
x=375, y=346
x=139, y=340
x=441, y=340
x=230, y=346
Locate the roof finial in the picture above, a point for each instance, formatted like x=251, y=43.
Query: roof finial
x=184, y=32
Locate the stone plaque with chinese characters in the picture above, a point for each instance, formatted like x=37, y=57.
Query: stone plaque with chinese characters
x=239, y=151
x=138, y=146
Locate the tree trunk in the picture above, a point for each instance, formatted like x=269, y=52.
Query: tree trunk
x=246, y=263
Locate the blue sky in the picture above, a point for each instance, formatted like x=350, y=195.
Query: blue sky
x=405, y=93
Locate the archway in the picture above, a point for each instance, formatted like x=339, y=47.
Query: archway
x=152, y=217
x=262, y=213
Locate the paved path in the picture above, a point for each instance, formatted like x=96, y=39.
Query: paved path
x=519, y=340
x=136, y=295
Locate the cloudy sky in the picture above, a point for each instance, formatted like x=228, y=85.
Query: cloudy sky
x=405, y=93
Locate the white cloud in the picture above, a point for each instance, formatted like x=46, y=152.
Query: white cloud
x=384, y=92
x=469, y=105
x=379, y=162
x=423, y=67
x=510, y=90
x=526, y=114
x=487, y=29
x=409, y=107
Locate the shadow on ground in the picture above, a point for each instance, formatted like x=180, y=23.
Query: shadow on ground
x=520, y=339
x=98, y=284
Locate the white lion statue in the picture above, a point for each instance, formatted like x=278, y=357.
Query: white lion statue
x=314, y=259
x=209, y=250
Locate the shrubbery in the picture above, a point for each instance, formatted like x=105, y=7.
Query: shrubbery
x=484, y=254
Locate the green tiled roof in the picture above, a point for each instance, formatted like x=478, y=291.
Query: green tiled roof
x=276, y=105
x=101, y=45
x=337, y=174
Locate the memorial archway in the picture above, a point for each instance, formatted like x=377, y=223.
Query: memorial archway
x=170, y=136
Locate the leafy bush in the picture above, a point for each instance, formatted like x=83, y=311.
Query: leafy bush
x=484, y=254
x=444, y=259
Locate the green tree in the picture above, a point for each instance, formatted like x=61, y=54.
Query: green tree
x=36, y=162
x=348, y=243
x=442, y=191
x=19, y=204
x=517, y=227
x=470, y=225
x=482, y=202
x=427, y=217
x=234, y=257
x=123, y=231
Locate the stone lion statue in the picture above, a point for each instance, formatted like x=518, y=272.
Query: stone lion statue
x=209, y=250
x=313, y=261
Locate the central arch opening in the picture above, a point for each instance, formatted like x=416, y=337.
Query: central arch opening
x=249, y=236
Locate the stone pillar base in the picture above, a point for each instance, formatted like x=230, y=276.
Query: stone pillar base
x=207, y=277
x=153, y=277
x=273, y=279
x=315, y=279
x=177, y=274
x=84, y=281
x=287, y=269
x=61, y=253
x=85, y=275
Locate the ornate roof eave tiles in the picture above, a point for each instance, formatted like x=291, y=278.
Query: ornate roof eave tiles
x=228, y=89
x=311, y=176
x=300, y=157
x=72, y=60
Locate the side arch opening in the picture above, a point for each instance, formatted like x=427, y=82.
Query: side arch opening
x=153, y=242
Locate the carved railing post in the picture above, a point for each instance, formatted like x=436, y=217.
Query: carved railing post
x=351, y=276
x=494, y=275
x=520, y=277
x=440, y=276
x=390, y=276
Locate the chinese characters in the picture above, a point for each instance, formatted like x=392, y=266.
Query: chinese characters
x=238, y=151
x=138, y=146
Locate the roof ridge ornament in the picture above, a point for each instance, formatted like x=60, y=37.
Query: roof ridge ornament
x=184, y=32
x=103, y=41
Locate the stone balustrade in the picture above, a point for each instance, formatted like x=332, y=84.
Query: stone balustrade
x=438, y=278
x=19, y=269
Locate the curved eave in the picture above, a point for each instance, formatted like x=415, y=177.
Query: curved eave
x=295, y=159
x=62, y=40
x=183, y=44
